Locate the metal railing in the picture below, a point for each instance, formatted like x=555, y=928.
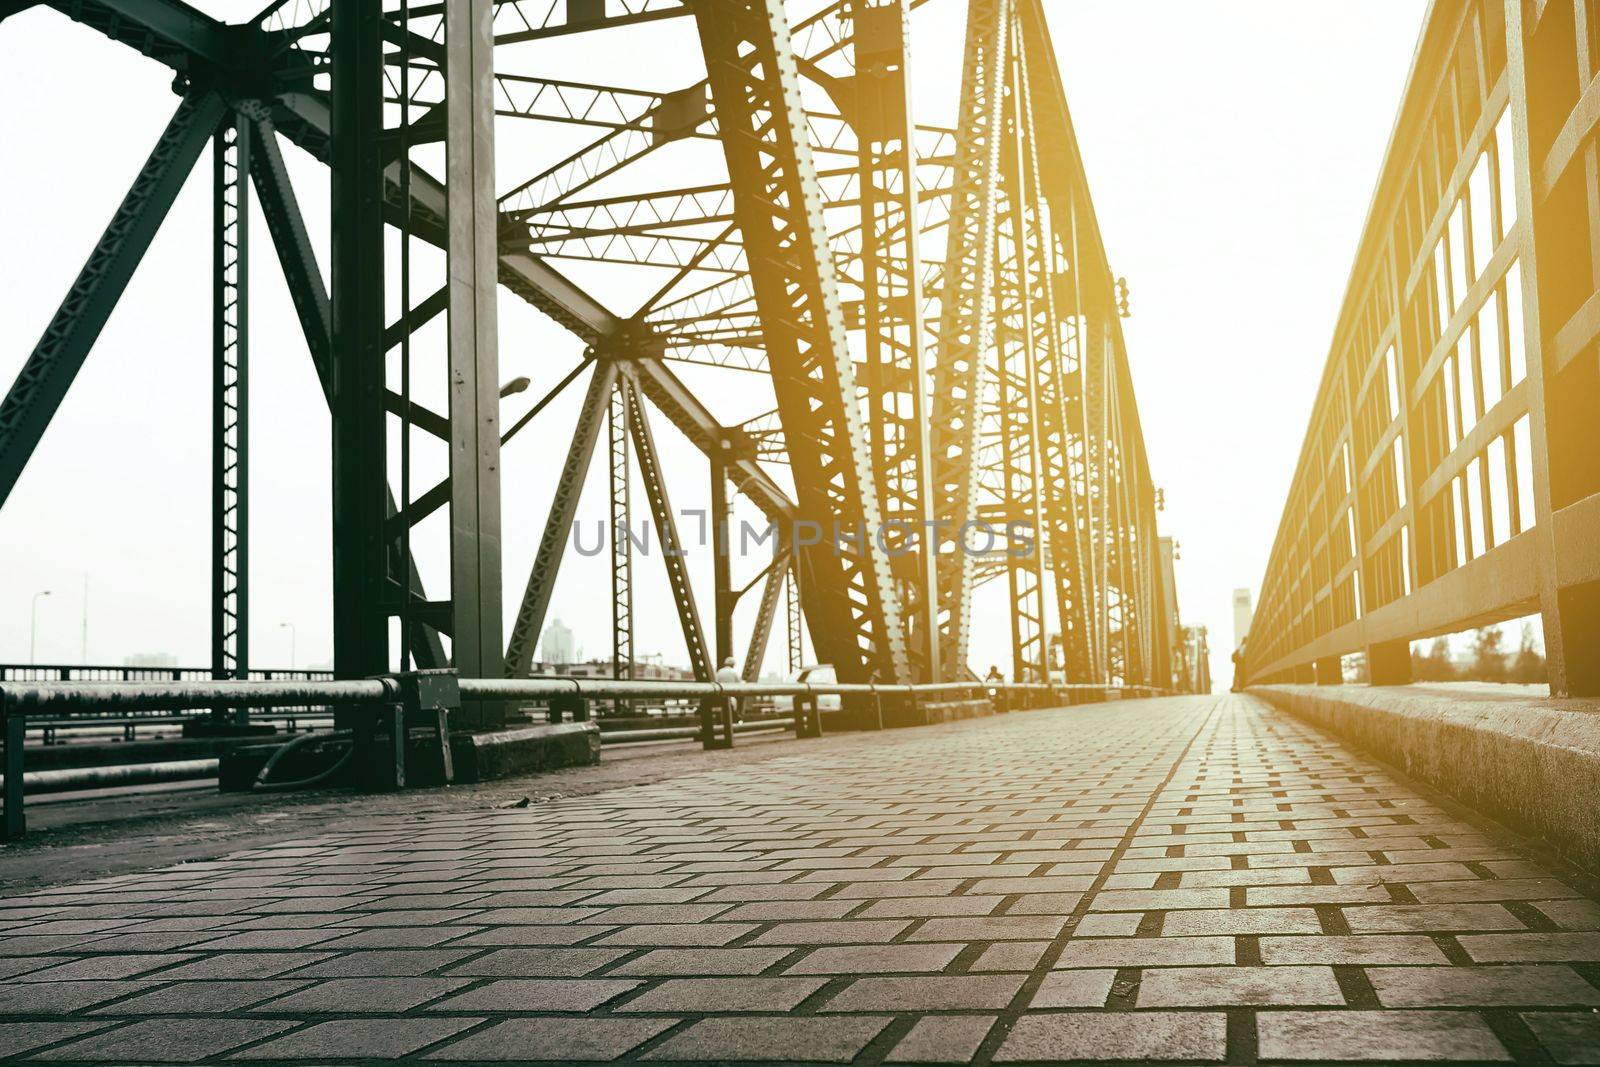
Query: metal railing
x=1449, y=477
x=395, y=700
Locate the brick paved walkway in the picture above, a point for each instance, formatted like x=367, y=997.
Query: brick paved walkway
x=1188, y=880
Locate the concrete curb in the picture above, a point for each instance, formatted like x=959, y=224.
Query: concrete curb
x=1532, y=763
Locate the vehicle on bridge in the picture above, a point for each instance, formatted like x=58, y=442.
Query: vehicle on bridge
x=816, y=674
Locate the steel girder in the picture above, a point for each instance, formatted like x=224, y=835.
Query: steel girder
x=852, y=605
x=309, y=295
x=620, y=533
x=563, y=508
x=895, y=373
x=666, y=526
x=230, y=400
x=1059, y=520
x=43, y=382
x=773, y=583
x=1018, y=402
x=966, y=325
x=362, y=599
x=474, y=354
x=1091, y=479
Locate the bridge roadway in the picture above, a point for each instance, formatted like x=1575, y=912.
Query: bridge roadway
x=1194, y=879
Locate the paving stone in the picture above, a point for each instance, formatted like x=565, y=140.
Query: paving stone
x=990, y=928
x=689, y=962
x=1376, y=1036
x=1241, y=921
x=267, y=939
x=1109, y=924
x=847, y=932
x=1158, y=899
x=1406, y=918
x=201, y=998
x=702, y=934
x=366, y=1039
x=1533, y=948
x=1571, y=914
x=784, y=1040
x=724, y=995
x=379, y=963
x=1116, y=1036
x=1347, y=949
x=875, y=959
x=1073, y=989
x=1547, y=986
x=15, y=965
x=554, y=1039
x=241, y=965
x=167, y=1040
x=1208, y=987
x=1010, y=956
x=380, y=995
x=1490, y=889
x=537, y=962
x=537, y=994
x=62, y=998
x=17, y=1038
x=942, y=1039
x=1146, y=952
x=94, y=968
x=927, y=993
x=1569, y=1037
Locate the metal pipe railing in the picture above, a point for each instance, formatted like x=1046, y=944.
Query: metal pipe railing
x=392, y=694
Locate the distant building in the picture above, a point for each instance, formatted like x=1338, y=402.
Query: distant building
x=151, y=659
x=604, y=668
x=557, y=645
x=1241, y=616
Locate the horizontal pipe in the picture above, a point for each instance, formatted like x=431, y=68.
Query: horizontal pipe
x=686, y=733
x=69, y=779
x=45, y=697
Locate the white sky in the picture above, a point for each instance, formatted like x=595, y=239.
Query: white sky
x=1232, y=149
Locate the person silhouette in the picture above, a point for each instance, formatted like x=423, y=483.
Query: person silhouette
x=728, y=673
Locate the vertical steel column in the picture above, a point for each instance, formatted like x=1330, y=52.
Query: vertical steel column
x=230, y=399
x=722, y=565
x=853, y=605
x=473, y=269
x=791, y=597
x=621, y=534
x=1018, y=400
x=1059, y=503
x=360, y=485
x=966, y=317
x=891, y=271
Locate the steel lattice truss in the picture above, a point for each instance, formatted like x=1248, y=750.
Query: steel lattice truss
x=927, y=309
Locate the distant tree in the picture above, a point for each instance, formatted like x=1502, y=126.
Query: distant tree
x=1435, y=665
x=1529, y=665
x=1488, y=662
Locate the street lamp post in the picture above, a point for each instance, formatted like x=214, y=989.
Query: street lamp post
x=292, y=640
x=33, y=627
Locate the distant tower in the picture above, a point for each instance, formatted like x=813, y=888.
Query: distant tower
x=557, y=646
x=1241, y=616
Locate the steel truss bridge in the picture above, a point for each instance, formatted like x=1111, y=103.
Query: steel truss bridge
x=1450, y=476
x=928, y=310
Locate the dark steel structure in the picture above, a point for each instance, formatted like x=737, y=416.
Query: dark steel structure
x=1450, y=476
x=925, y=314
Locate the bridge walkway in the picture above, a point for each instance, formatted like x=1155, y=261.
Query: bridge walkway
x=1190, y=879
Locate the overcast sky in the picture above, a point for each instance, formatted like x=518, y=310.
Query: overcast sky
x=1232, y=149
